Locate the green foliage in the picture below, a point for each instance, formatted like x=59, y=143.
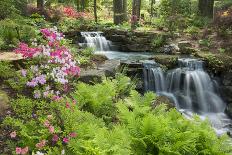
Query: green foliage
x=6, y=70
x=14, y=31
x=159, y=41
x=205, y=42
x=173, y=13
x=193, y=31
x=93, y=98
x=137, y=129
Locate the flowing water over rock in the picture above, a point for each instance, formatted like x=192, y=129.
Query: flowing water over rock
x=96, y=40
x=101, y=45
x=191, y=89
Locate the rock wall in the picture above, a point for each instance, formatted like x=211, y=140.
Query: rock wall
x=133, y=41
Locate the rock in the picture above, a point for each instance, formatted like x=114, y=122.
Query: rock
x=189, y=50
x=117, y=38
x=226, y=93
x=169, y=61
x=170, y=49
x=108, y=69
x=227, y=79
x=184, y=44
x=4, y=102
x=138, y=47
x=99, y=58
x=163, y=100
x=185, y=47
x=228, y=110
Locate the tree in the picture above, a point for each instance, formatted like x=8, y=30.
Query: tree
x=40, y=4
x=78, y=5
x=82, y=5
x=135, y=13
x=125, y=18
x=118, y=11
x=95, y=10
x=152, y=8
x=206, y=8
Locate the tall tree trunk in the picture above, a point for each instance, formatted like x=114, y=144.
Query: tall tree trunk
x=78, y=6
x=152, y=8
x=206, y=8
x=118, y=11
x=40, y=4
x=95, y=10
x=135, y=13
x=125, y=17
x=82, y=5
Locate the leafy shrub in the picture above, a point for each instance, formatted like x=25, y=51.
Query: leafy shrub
x=6, y=70
x=13, y=31
x=159, y=41
x=52, y=65
x=193, y=31
x=173, y=13
x=65, y=126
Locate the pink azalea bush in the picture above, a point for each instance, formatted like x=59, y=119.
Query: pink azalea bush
x=56, y=66
x=72, y=13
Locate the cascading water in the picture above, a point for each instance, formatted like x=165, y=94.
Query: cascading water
x=96, y=40
x=190, y=88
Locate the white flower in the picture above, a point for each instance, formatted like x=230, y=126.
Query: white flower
x=39, y=153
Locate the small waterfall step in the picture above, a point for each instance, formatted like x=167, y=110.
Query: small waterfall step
x=190, y=88
x=95, y=40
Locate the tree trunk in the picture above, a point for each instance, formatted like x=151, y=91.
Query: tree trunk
x=95, y=10
x=206, y=8
x=78, y=6
x=135, y=13
x=125, y=17
x=118, y=11
x=82, y=5
x=40, y=4
x=152, y=8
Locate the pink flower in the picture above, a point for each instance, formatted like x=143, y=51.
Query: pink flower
x=18, y=150
x=67, y=105
x=24, y=150
x=55, y=138
x=51, y=129
x=73, y=134
x=41, y=144
x=56, y=98
x=46, y=123
x=13, y=134
x=65, y=139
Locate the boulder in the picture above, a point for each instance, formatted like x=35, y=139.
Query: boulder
x=138, y=47
x=163, y=100
x=169, y=61
x=108, y=69
x=227, y=79
x=184, y=44
x=228, y=110
x=4, y=102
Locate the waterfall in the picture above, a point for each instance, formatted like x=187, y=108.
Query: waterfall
x=189, y=83
x=189, y=87
x=95, y=40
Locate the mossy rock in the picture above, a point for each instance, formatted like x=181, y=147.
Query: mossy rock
x=4, y=102
x=169, y=61
x=163, y=100
x=216, y=63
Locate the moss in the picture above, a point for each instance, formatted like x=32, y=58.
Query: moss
x=169, y=61
x=216, y=62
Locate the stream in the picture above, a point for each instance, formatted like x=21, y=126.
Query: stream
x=188, y=86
